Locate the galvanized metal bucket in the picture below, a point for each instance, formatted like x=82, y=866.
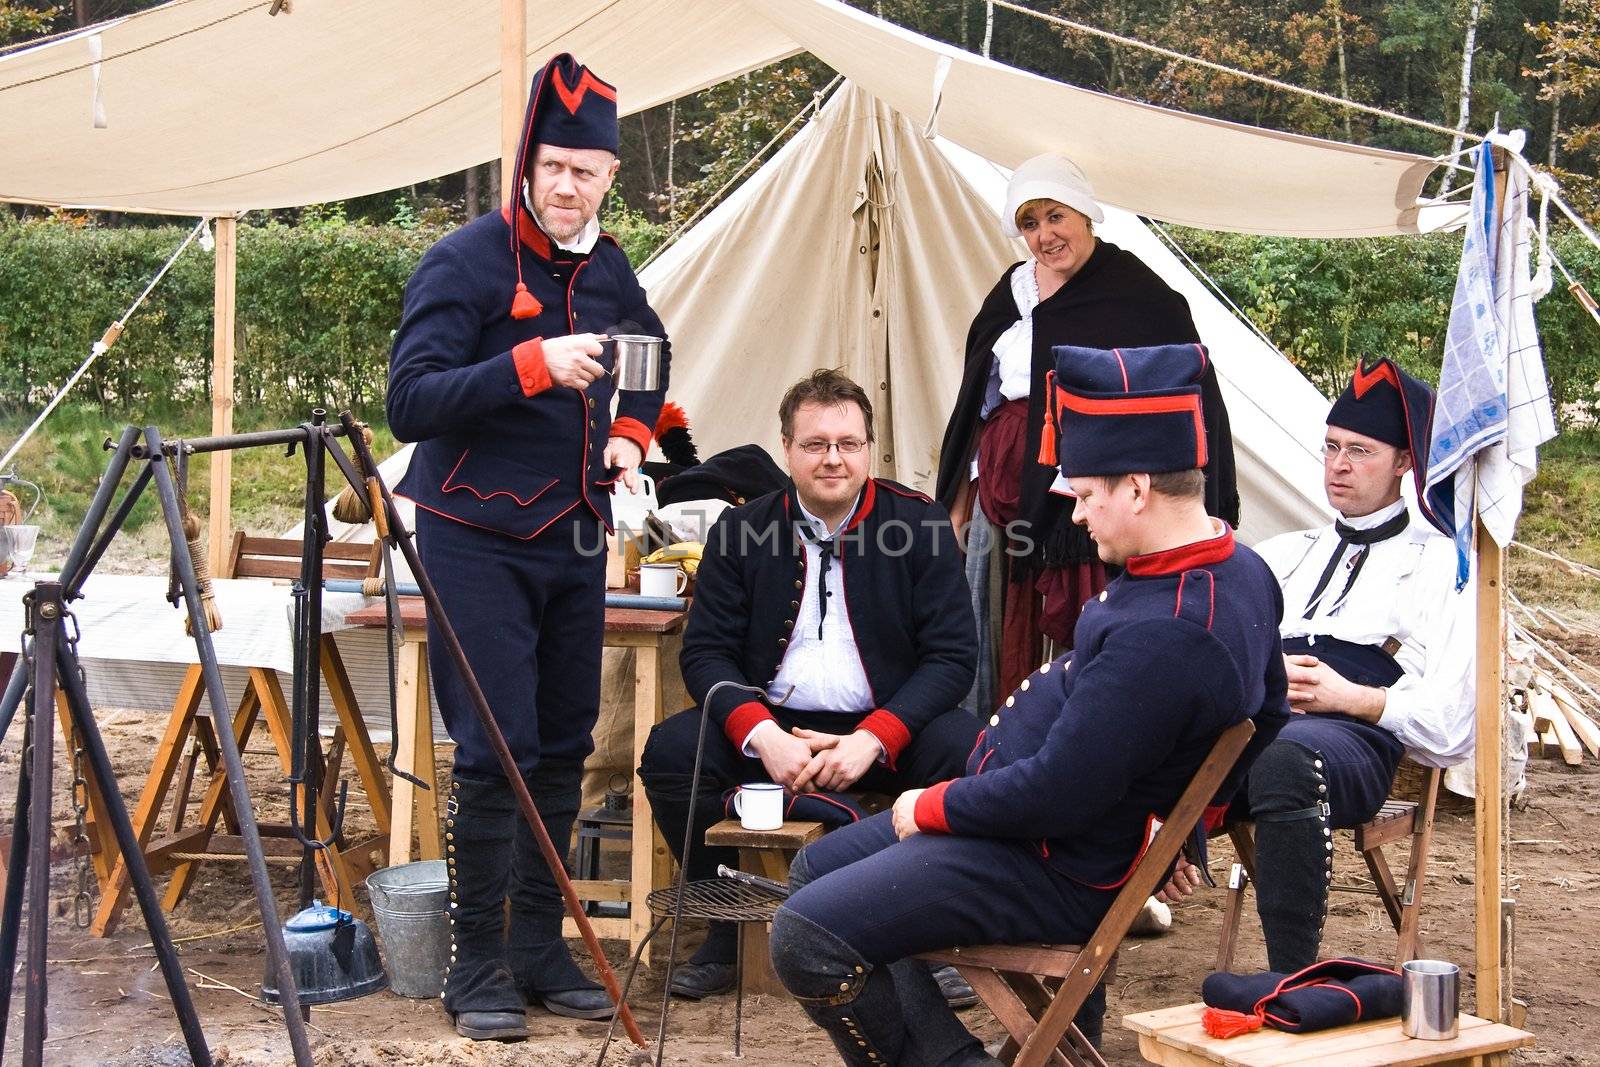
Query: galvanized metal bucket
x=410, y=903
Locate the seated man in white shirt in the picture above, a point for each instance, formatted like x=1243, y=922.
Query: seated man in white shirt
x=1379, y=648
x=842, y=598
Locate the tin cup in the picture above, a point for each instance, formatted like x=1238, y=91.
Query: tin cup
x=1430, y=999
x=637, y=363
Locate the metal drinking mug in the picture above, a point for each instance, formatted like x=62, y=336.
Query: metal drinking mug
x=637, y=365
x=1430, y=999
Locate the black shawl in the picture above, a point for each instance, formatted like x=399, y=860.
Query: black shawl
x=1113, y=301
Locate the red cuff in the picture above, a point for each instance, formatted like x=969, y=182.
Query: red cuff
x=890, y=732
x=929, y=812
x=1212, y=818
x=743, y=719
x=531, y=371
x=633, y=430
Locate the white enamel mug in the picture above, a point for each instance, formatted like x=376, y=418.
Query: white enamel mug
x=759, y=805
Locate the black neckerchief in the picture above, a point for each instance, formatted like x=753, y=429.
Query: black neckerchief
x=1364, y=539
x=828, y=547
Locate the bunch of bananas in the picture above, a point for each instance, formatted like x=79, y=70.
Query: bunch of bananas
x=686, y=554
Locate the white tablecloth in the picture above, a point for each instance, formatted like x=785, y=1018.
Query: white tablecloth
x=135, y=651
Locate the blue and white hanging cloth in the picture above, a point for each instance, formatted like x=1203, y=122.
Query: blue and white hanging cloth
x=1493, y=408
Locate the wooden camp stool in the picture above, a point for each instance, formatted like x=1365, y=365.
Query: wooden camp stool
x=767, y=853
x=1174, y=1037
x=1397, y=820
x=190, y=740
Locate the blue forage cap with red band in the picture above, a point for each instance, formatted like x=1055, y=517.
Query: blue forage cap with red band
x=568, y=107
x=1329, y=993
x=1126, y=410
x=1386, y=404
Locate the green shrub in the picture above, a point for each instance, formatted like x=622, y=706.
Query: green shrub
x=1325, y=302
x=317, y=305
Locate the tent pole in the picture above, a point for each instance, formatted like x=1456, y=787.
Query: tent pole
x=1489, y=757
x=513, y=89
x=222, y=345
x=1488, y=763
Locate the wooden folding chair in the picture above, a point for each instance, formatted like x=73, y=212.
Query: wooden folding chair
x=190, y=743
x=1395, y=821
x=1035, y=990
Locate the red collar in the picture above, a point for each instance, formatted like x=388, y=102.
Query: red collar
x=1184, y=557
x=528, y=231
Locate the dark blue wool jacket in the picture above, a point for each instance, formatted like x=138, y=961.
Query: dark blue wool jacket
x=904, y=589
x=1096, y=747
x=499, y=446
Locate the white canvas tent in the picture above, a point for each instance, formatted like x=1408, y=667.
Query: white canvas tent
x=864, y=245
x=213, y=107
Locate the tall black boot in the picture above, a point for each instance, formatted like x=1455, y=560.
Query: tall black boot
x=479, y=992
x=862, y=1008
x=1294, y=852
x=540, y=961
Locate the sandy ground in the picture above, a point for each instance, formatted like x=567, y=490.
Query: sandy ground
x=108, y=1005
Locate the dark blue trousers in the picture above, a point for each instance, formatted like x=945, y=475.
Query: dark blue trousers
x=889, y=899
x=1358, y=762
x=531, y=617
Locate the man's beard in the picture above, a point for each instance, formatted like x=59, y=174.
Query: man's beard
x=549, y=227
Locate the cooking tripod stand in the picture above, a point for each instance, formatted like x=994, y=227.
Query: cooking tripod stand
x=50, y=655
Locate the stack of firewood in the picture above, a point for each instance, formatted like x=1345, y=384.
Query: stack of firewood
x=1554, y=695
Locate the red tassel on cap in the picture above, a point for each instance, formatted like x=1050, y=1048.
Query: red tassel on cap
x=525, y=305
x=1220, y=1022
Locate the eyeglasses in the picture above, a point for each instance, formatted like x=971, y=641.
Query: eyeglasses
x=1356, y=453
x=848, y=447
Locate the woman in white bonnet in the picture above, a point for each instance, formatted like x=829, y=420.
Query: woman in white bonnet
x=1075, y=289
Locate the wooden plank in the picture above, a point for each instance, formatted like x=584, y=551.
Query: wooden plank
x=411, y=697
x=619, y=621
x=650, y=862
x=1587, y=730
x=1545, y=706
x=169, y=753
x=216, y=798
x=1174, y=1035
x=791, y=836
x=513, y=90
x=368, y=767
x=225, y=289
x=610, y=889
x=1056, y=961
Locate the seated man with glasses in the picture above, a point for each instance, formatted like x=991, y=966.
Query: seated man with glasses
x=843, y=600
x=1379, y=647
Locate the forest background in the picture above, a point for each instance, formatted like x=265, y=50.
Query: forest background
x=319, y=287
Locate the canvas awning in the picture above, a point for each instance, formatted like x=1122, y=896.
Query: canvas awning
x=213, y=107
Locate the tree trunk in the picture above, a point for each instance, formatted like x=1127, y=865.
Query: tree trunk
x=672, y=146
x=80, y=13
x=1344, y=75
x=1467, y=50
x=988, y=26
x=472, y=194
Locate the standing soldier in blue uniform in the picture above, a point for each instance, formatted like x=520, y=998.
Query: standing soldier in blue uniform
x=495, y=375
x=1053, y=811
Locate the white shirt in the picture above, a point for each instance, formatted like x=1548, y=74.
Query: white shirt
x=1013, y=350
x=1406, y=590
x=825, y=672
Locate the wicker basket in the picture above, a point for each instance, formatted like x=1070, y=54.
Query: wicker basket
x=1409, y=780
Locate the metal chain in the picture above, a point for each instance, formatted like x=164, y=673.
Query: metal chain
x=83, y=902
